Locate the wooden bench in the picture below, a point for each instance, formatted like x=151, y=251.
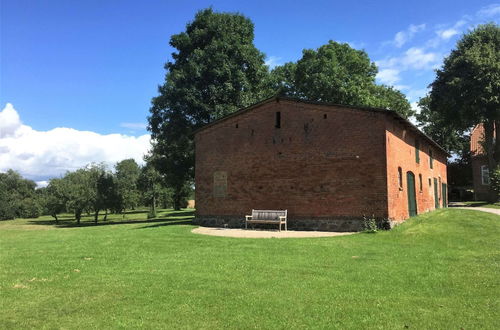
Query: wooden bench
x=267, y=216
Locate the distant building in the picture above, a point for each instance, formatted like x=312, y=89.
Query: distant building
x=328, y=165
x=480, y=170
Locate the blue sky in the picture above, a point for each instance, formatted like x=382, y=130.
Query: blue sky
x=93, y=66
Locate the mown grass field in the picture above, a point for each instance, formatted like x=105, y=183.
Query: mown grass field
x=437, y=271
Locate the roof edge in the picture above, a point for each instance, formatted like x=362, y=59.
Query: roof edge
x=277, y=98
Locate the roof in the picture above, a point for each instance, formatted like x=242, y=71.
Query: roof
x=396, y=116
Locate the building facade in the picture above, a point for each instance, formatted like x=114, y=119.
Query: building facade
x=328, y=165
x=480, y=170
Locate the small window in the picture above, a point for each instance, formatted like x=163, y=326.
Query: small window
x=278, y=120
x=430, y=182
x=485, y=175
x=324, y=116
x=420, y=177
x=400, y=178
x=431, y=159
x=417, y=151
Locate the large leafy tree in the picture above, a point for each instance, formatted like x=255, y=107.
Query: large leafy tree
x=127, y=173
x=337, y=73
x=214, y=71
x=466, y=91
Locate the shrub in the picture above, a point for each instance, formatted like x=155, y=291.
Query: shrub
x=369, y=224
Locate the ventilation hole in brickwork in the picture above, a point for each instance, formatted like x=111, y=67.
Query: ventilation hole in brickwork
x=324, y=116
x=236, y=125
x=260, y=187
x=252, y=132
x=290, y=139
x=282, y=140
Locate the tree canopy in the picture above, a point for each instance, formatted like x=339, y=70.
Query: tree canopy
x=337, y=73
x=466, y=91
x=215, y=70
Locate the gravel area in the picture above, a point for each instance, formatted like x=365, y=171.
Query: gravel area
x=484, y=209
x=248, y=233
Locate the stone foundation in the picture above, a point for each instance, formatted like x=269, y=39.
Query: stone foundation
x=316, y=224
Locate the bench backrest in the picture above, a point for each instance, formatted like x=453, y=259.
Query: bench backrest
x=268, y=214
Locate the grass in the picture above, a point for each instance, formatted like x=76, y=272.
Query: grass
x=438, y=270
x=483, y=204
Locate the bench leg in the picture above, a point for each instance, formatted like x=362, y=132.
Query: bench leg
x=246, y=225
x=286, y=229
x=280, y=226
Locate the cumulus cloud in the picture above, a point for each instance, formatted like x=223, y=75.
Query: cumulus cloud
x=402, y=37
x=9, y=121
x=39, y=155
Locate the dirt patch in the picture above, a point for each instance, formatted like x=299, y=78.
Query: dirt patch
x=247, y=233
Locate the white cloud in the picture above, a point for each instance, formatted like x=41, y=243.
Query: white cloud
x=447, y=34
x=43, y=154
x=402, y=37
x=414, y=58
x=42, y=184
x=273, y=61
x=489, y=11
x=134, y=126
x=9, y=121
x=388, y=76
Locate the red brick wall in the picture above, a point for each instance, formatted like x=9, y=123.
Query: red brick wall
x=401, y=153
x=312, y=166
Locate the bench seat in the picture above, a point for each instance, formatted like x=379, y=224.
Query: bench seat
x=267, y=217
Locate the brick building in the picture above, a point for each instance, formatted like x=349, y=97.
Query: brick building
x=328, y=165
x=480, y=171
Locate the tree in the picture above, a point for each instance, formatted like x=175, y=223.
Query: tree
x=466, y=91
x=149, y=184
x=56, y=198
x=337, y=73
x=80, y=192
x=17, y=197
x=127, y=173
x=216, y=70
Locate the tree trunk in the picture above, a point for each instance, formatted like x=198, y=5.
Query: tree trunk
x=78, y=215
x=106, y=215
x=96, y=215
x=490, y=148
x=55, y=217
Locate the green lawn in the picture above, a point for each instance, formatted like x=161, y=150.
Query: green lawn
x=483, y=204
x=436, y=271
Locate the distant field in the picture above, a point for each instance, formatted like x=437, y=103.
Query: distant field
x=437, y=271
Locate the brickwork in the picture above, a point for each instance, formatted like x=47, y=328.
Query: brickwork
x=326, y=165
x=401, y=154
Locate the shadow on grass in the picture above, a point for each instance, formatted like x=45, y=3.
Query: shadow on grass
x=181, y=217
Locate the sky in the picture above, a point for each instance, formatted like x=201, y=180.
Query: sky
x=77, y=77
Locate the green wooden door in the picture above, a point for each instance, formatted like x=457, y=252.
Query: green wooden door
x=436, y=193
x=412, y=200
x=444, y=193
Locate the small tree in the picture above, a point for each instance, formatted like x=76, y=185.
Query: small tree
x=56, y=198
x=495, y=181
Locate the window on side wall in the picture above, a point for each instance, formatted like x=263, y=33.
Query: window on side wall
x=400, y=178
x=485, y=175
x=420, y=178
x=417, y=151
x=431, y=159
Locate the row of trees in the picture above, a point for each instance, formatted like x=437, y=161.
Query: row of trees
x=216, y=70
x=90, y=190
